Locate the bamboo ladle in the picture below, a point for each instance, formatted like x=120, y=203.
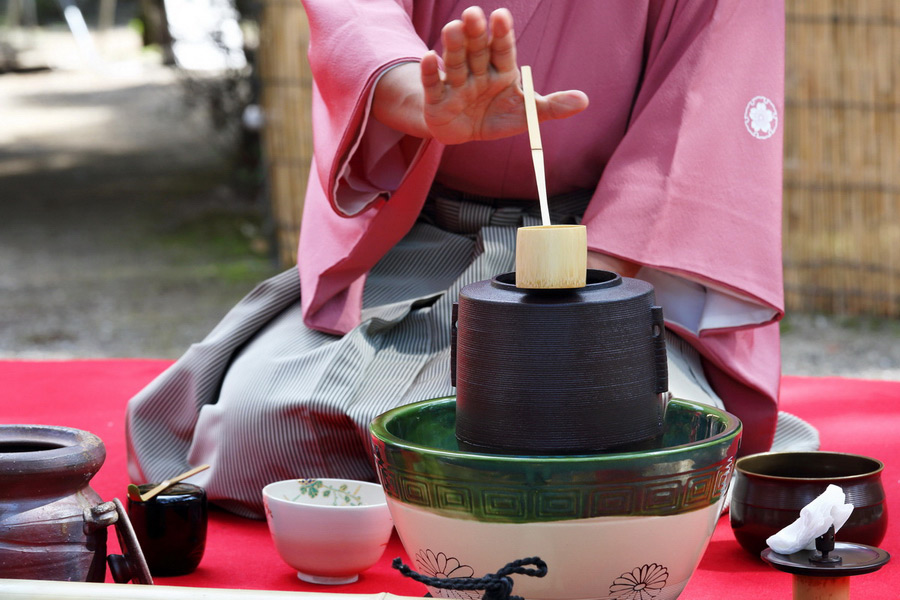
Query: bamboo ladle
x=547, y=256
x=135, y=495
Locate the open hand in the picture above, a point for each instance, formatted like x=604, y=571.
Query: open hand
x=478, y=96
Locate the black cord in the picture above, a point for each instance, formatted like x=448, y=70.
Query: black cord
x=496, y=586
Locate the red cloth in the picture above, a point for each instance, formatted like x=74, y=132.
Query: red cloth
x=857, y=416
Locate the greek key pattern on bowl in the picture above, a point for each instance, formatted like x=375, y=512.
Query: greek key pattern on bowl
x=667, y=495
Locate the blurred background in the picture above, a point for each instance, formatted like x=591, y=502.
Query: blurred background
x=154, y=153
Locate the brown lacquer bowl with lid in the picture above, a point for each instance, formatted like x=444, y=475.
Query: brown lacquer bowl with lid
x=770, y=489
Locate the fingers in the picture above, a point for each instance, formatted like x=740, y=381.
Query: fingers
x=431, y=78
x=560, y=105
x=503, y=41
x=471, y=47
x=456, y=64
x=477, y=41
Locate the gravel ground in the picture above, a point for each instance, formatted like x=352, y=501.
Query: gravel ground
x=123, y=231
x=124, y=234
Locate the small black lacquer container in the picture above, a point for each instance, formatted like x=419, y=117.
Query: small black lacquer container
x=171, y=528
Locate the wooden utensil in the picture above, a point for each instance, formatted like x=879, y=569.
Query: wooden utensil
x=551, y=257
x=534, y=137
x=136, y=496
x=547, y=256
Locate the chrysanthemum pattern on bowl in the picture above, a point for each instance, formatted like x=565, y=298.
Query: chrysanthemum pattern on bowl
x=441, y=566
x=641, y=583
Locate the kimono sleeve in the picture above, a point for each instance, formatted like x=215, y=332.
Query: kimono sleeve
x=352, y=43
x=693, y=191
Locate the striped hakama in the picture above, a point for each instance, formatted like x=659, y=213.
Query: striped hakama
x=265, y=398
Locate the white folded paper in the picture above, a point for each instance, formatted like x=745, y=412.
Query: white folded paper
x=815, y=518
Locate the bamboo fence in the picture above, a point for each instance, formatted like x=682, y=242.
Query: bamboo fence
x=841, y=160
x=842, y=157
x=287, y=103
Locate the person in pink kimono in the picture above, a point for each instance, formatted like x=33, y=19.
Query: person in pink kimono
x=665, y=144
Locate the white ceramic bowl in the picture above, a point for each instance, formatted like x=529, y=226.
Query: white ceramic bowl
x=624, y=526
x=329, y=530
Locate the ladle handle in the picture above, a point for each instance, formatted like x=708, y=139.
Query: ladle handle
x=169, y=482
x=534, y=136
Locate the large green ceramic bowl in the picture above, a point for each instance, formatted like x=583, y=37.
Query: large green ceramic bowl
x=608, y=525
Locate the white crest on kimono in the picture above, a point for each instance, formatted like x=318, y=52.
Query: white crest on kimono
x=761, y=117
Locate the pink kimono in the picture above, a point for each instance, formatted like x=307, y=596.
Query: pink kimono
x=681, y=144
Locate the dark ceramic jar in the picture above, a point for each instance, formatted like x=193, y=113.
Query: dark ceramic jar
x=44, y=495
x=558, y=371
x=770, y=489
